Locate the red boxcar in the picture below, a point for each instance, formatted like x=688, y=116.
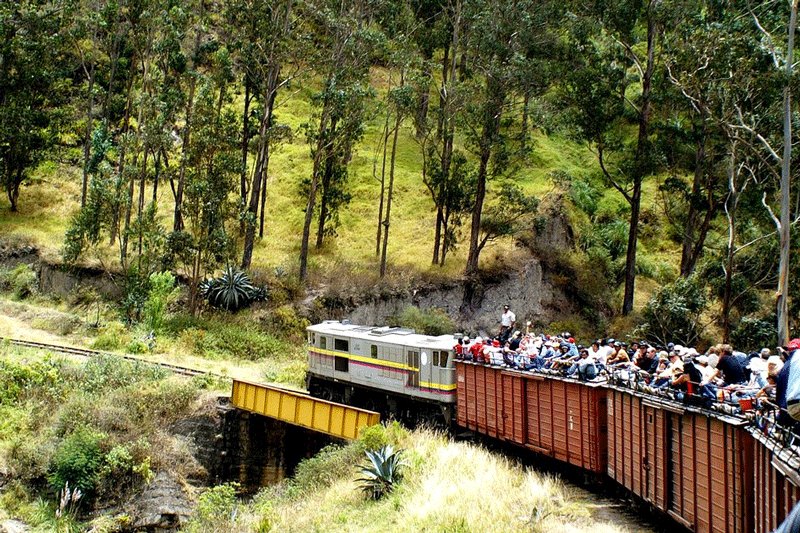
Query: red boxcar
x=562, y=418
x=692, y=464
x=777, y=482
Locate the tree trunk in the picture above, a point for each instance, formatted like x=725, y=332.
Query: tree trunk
x=642, y=157
x=327, y=175
x=782, y=303
x=177, y=216
x=397, y=122
x=385, y=140
x=421, y=117
x=245, y=139
x=731, y=203
x=312, y=193
x=495, y=97
x=687, y=244
x=87, y=137
x=260, y=172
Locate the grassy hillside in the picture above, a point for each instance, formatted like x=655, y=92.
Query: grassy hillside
x=53, y=196
x=446, y=487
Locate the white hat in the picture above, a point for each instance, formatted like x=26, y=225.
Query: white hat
x=478, y=339
x=775, y=360
x=702, y=359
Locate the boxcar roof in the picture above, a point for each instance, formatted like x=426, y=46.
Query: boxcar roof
x=384, y=335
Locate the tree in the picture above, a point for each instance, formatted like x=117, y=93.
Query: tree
x=212, y=172
x=610, y=53
x=501, y=38
x=782, y=60
x=344, y=41
x=31, y=88
x=265, y=40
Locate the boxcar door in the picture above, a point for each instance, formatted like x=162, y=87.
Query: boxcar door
x=654, y=475
x=412, y=360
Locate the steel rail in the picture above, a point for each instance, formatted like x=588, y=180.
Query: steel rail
x=86, y=352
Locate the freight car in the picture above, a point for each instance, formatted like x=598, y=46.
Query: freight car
x=709, y=471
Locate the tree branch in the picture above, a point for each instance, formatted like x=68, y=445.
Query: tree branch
x=757, y=135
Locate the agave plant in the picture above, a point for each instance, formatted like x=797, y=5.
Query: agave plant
x=232, y=290
x=382, y=471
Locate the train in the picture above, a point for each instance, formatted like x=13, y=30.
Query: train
x=710, y=471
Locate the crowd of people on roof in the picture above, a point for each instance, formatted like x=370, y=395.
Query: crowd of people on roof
x=767, y=379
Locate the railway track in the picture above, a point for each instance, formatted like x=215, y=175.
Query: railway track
x=86, y=352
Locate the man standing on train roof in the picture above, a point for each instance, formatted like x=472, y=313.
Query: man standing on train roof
x=507, y=321
x=787, y=388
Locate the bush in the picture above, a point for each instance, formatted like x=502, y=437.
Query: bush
x=77, y=461
x=248, y=343
x=216, y=510
x=428, y=322
x=673, y=313
x=331, y=463
x=383, y=471
x=232, y=291
x=113, y=336
x=20, y=281
x=285, y=322
x=162, y=292
x=753, y=333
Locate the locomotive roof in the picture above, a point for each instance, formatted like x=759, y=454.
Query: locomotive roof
x=384, y=334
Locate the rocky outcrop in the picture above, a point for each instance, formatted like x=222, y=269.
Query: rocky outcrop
x=524, y=288
x=165, y=504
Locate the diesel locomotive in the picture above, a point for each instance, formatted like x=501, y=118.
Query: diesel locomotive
x=390, y=370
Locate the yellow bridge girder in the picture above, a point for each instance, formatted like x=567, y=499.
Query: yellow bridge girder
x=301, y=409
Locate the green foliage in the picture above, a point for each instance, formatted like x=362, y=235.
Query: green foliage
x=113, y=336
x=216, y=338
x=216, y=510
x=110, y=372
x=382, y=473
x=232, y=291
x=584, y=196
x=380, y=435
x=21, y=281
x=285, y=322
x=673, y=314
x=78, y=461
x=162, y=292
x=432, y=321
x=331, y=463
x=37, y=379
x=753, y=333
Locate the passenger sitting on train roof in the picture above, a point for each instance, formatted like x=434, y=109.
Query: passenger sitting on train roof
x=584, y=366
x=619, y=357
x=671, y=372
x=729, y=367
x=476, y=350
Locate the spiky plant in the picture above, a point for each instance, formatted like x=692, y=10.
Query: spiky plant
x=382, y=472
x=231, y=291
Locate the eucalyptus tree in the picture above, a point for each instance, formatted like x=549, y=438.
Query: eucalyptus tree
x=609, y=90
x=499, y=41
x=343, y=44
x=32, y=87
x=266, y=39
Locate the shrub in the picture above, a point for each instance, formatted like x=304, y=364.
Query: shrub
x=248, y=343
x=77, y=461
x=382, y=473
x=216, y=510
x=20, y=281
x=428, y=322
x=232, y=291
x=673, y=313
x=753, y=333
x=162, y=292
x=113, y=336
x=137, y=346
x=379, y=435
x=285, y=322
x=331, y=463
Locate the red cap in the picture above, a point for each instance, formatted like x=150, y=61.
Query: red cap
x=794, y=344
x=571, y=340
